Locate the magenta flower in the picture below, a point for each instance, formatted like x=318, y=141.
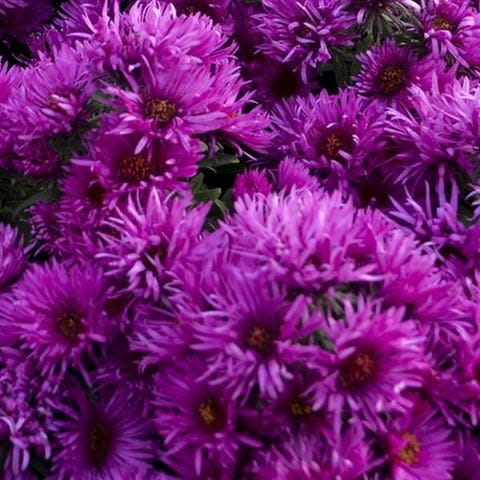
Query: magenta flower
x=389, y=70
x=451, y=27
x=252, y=334
x=308, y=458
x=340, y=133
x=378, y=356
x=420, y=444
x=148, y=239
x=25, y=413
x=196, y=416
x=108, y=438
x=12, y=255
x=251, y=182
x=303, y=33
x=56, y=314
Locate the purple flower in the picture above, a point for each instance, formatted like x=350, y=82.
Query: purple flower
x=467, y=465
x=12, y=255
x=420, y=446
x=149, y=237
x=451, y=27
x=389, y=70
x=306, y=239
x=439, y=133
x=307, y=457
x=25, y=412
x=192, y=414
x=378, y=355
x=122, y=167
x=340, y=133
x=55, y=312
x=294, y=175
x=107, y=438
x=303, y=33
x=274, y=81
x=251, y=182
x=53, y=94
x=252, y=333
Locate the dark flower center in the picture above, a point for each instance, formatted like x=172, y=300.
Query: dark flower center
x=70, y=325
x=358, y=369
x=410, y=453
x=476, y=372
x=160, y=110
x=212, y=414
x=135, y=168
x=260, y=339
x=335, y=141
x=193, y=9
x=99, y=443
x=392, y=80
x=300, y=408
x=286, y=84
x=441, y=23
x=95, y=194
x=151, y=253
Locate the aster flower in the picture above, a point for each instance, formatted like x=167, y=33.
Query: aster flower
x=56, y=314
x=340, y=133
x=420, y=446
x=163, y=106
x=24, y=413
x=308, y=458
x=435, y=220
x=293, y=410
x=439, y=135
x=251, y=182
x=192, y=414
x=411, y=279
x=107, y=438
x=294, y=175
x=303, y=33
x=260, y=338
x=58, y=89
x=148, y=238
x=46, y=228
x=389, y=70
x=306, y=238
x=274, y=81
x=378, y=355
x=12, y=255
x=451, y=28
x=152, y=33
x=9, y=82
x=123, y=165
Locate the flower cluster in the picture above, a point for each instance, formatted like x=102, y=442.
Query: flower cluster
x=239, y=240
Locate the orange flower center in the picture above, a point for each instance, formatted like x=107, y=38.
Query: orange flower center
x=410, y=453
x=135, y=168
x=160, y=110
x=440, y=23
x=392, y=80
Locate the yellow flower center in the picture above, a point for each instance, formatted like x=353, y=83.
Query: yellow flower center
x=410, y=453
